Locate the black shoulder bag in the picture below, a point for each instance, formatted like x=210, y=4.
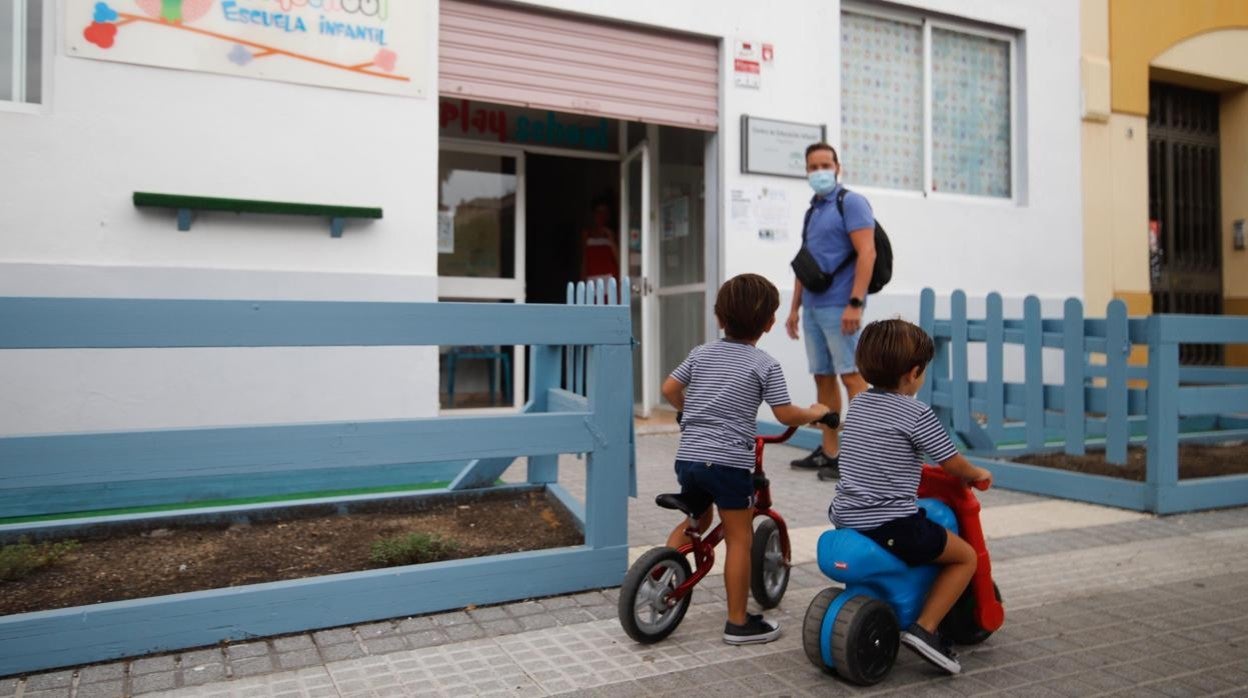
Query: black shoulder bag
x=806, y=267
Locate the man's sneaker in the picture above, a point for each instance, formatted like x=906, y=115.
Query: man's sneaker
x=930, y=647
x=811, y=461
x=756, y=630
x=831, y=470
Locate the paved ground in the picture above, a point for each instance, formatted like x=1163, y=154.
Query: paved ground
x=1099, y=602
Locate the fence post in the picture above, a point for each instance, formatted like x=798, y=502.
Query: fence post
x=606, y=487
x=1117, y=349
x=578, y=353
x=959, y=388
x=1162, y=469
x=568, y=379
x=543, y=375
x=621, y=298
x=927, y=321
x=1033, y=357
x=1073, y=377
x=994, y=349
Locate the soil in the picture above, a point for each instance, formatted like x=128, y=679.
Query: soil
x=143, y=563
x=1194, y=461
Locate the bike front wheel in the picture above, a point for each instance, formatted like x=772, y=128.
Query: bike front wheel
x=769, y=573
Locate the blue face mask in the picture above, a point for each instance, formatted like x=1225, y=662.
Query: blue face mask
x=822, y=181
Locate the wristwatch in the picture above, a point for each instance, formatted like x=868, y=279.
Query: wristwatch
x=855, y=302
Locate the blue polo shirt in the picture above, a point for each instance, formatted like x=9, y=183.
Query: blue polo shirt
x=827, y=238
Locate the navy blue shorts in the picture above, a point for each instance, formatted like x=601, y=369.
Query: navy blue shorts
x=702, y=484
x=916, y=539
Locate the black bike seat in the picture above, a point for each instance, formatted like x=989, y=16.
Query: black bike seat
x=673, y=501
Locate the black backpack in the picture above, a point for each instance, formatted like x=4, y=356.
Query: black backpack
x=882, y=272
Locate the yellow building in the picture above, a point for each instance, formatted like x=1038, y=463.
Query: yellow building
x=1165, y=158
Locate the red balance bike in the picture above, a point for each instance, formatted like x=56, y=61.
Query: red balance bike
x=659, y=585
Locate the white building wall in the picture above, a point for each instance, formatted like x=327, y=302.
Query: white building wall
x=67, y=226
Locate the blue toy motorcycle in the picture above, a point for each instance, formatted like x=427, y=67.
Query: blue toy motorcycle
x=856, y=631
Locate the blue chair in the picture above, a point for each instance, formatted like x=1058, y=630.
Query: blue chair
x=490, y=354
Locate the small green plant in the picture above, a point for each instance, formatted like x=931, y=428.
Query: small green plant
x=19, y=559
x=411, y=549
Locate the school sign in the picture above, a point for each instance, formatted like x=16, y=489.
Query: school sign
x=366, y=45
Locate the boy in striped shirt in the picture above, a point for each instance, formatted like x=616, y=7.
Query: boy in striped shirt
x=718, y=388
x=885, y=434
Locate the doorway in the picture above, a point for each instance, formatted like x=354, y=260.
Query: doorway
x=1184, y=207
x=518, y=221
x=569, y=199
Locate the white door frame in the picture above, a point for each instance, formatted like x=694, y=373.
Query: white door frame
x=471, y=288
x=642, y=287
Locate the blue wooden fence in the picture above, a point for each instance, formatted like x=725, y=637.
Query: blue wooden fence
x=58, y=473
x=1102, y=401
x=574, y=357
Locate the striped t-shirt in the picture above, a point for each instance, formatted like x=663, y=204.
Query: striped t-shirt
x=881, y=445
x=725, y=382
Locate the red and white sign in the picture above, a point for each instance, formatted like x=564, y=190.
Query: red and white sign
x=746, y=73
x=746, y=50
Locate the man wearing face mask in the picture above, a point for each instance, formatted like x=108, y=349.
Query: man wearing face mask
x=833, y=318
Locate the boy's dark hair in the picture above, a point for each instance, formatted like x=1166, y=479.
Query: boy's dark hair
x=822, y=146
x=746, y=303
x=889, y=349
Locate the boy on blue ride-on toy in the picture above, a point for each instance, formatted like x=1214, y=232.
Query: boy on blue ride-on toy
x=902, y=559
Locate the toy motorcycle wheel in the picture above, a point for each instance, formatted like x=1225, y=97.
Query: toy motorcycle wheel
x=960, y=626
x=769, y=574
x=646, y=609
x=812, y=626
x=865, y=637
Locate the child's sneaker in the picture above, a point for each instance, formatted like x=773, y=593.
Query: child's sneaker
x=756, y=630
x=811, y=461
x=831, y=469
x=930, y=647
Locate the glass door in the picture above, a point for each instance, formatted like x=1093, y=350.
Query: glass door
x=635, y=238
x=680, y=246
x=481, y=259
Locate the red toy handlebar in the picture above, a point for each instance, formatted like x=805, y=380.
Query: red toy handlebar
x=777, y=438
x=954, y=491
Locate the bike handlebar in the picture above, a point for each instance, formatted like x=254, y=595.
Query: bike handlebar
x=831, y=420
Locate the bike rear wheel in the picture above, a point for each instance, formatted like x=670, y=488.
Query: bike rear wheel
x=647, y=611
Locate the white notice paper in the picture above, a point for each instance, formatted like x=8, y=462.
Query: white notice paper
x=739, y=208
x=762, y=213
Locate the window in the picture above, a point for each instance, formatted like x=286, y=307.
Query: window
x=927, y=105
x=21, y=51
x=476, y=215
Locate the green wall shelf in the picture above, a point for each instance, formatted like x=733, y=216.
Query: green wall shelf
x=187, y=206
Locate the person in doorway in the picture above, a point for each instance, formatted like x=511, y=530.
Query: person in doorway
x=833, y=318
x=718, y=389
x=886, y=432
x=600, y=250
